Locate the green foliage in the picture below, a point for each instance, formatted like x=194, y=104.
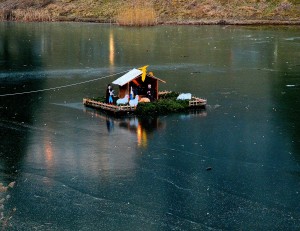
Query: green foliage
x=100, y=99
x=169, y=95
x=167, y=103
x=162, y=106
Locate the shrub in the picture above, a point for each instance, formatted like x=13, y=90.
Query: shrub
x=100, y=99
x=162, y=106
x=137, y=16
x=31, y=15
x=169, y=95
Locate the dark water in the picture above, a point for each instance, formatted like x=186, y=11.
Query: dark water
x=77, y=169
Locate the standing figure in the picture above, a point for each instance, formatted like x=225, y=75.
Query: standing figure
x=107, y=93
x=131, y=96
x=150, y=93
x=111, y=96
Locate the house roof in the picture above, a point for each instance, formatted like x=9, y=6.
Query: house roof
x=129, y=76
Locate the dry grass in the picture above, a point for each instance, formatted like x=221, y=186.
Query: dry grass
x=137, y=16
x=25, y=10
x=243, y=9
x=5, y=14
x=31, y=15
x=143, y=13
x=24, y=4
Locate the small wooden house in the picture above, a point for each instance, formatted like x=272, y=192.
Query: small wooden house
x=132, y=80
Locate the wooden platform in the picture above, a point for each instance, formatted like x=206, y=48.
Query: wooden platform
x=108, y=107
x=195, y=102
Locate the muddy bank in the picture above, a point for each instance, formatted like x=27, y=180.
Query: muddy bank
x=191, y=22
x=172, y=22
x=233, y=22
x=180, y=22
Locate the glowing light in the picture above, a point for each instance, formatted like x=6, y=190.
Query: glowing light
x=111, y=49
x=49, y=159
x=49, y=153
x=141, y=136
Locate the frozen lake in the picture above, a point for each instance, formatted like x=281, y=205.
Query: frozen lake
x=78, y=169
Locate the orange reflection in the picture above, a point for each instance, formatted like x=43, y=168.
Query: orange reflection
x=141, y=136
x=111, y=49
x=49, y=158
x=142, y=127
x=49, y=153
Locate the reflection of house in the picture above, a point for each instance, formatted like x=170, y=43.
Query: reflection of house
x=133, y=79
x=143, y=127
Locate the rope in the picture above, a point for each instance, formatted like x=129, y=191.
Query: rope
x=59, y=87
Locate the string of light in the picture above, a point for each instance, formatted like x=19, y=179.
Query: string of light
x=60, y=87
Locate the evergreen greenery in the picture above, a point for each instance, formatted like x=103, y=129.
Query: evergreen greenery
x=167, y=103
x=163, y=106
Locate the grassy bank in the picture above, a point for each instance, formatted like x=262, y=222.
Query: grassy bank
x=138, y=12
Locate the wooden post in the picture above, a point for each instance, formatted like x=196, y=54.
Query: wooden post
x=156, y=89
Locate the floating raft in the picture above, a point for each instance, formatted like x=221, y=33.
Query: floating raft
x=146, y=86
x=195, y=102
x=108, y=107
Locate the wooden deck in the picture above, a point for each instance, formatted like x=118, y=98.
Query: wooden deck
x=107, y=107
x=195, y=102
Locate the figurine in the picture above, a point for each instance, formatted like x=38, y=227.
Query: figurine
x=150, y=93
x=134, y=102
x=123, y=100
x=107, y=93
x=111, y=96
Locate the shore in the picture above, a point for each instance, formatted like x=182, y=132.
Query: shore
x=238, y=22
x=208, y=12
x=234, y=22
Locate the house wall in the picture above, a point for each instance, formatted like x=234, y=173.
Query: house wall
x=123, y=90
